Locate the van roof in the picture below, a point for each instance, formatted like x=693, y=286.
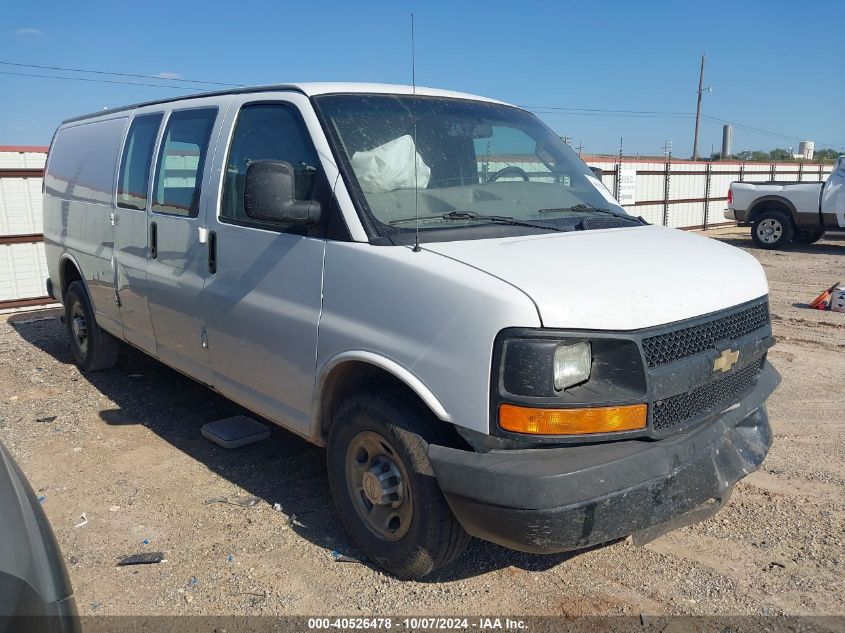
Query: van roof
x=308, y=89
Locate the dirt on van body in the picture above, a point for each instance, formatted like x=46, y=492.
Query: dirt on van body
x=124, y=448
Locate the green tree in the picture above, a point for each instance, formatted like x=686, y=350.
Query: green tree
x=777, y=154
x=825, y=155
x=719, y=156
x=755, y=156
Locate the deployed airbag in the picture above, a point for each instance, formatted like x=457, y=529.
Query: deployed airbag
x=390, y=167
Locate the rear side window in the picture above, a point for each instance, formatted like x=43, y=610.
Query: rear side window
x=181, y=160
x=83, y=160
x=268, y=131
x=135, y=164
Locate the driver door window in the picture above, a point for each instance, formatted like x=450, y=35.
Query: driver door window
x=267, y=131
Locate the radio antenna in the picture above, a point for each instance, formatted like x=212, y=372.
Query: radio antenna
x=414, y=121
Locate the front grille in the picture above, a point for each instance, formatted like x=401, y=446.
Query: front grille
x=677, y=409
x=671, y=346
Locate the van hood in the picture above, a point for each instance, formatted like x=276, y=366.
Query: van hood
x=617, y=279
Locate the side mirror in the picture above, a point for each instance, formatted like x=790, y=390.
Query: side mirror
x=597, y=171
x=269, y=195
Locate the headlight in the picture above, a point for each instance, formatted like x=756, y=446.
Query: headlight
x=547, y=368
x=572, y=362
x=552, y=384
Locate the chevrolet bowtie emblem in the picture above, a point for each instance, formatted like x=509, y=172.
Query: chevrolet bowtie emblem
x=726, y=360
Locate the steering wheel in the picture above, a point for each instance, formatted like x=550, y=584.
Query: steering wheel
x=510, y=170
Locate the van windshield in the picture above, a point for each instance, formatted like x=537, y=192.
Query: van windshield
x=483, y=169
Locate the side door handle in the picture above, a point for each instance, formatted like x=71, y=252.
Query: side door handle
x=153, y=240
x=212, y=252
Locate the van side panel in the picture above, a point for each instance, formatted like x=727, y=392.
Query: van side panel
x=431, y=315
x=79, y=188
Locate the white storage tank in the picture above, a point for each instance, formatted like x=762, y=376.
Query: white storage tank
x=807, y=149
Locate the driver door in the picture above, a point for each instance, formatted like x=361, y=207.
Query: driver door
x=263, y=292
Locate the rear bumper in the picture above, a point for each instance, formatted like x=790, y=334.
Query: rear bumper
x=560, y=499
x=739, y=216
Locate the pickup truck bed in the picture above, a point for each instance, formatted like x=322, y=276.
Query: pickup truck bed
x=781, y=213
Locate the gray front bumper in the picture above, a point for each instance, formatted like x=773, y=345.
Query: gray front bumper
x=559, y=499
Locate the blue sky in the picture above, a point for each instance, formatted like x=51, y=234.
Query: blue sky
x=774, y=65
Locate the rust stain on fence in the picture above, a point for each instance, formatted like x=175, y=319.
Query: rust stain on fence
x=6, y=172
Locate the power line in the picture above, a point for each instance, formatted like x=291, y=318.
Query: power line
x=742, y=126
x=557, y=110
x=105, y=72
x=566, y=109
x=612, y=114
x=658, y=114
x=91, y=79
x=760, y=131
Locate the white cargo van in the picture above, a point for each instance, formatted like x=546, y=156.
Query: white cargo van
x=435, y=288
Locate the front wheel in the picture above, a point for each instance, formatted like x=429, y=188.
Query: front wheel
x=807, y=237
x=384, y=487
x=771, y=229
x=92, y=347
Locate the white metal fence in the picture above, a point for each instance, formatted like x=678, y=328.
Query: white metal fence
x=690, y=194
x=23, y=269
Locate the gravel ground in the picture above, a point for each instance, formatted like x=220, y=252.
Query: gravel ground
x=124, y=447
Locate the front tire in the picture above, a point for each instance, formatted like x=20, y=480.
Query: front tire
x=384, y=487
x=807, y=237
x=772, y=229
x=93, y=348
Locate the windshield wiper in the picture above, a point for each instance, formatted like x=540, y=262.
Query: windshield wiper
x=577, y=208
x=498, y=219
x=480, y=217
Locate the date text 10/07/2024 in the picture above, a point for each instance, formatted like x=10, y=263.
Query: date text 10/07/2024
x=417, y=623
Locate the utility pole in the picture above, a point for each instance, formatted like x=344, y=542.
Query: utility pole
x=580, y=147
x=698, y=109
x=617, y=180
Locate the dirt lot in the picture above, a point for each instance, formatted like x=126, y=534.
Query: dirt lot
x=124, y=447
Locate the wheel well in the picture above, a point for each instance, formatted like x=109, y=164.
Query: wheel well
x=770, y=205
x=70, y=273
x=353, y=377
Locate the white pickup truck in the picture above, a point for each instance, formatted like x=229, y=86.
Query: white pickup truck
x=784, y=212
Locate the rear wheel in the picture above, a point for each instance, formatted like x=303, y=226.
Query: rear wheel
x=92, y=347
x=807, y=237
x=771, y=229
x=384, y=487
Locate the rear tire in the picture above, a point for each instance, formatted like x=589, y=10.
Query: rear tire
x=93, y=348
x=406, y=526
x=772, y=229
x=807, y=237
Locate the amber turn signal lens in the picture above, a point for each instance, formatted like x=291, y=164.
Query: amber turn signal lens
x=572, y=421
